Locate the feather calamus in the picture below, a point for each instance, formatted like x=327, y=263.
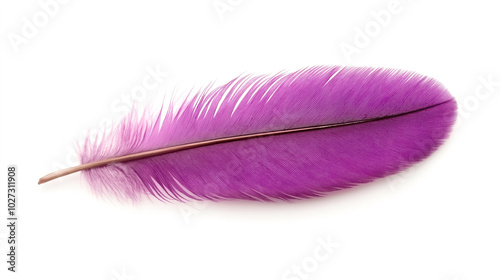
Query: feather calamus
x=273, y=137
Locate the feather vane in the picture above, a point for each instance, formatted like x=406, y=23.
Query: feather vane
x=276, y=137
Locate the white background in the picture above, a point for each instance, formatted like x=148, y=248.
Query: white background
x=82, y=67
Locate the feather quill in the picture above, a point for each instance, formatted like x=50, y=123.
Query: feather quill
x=273, y=137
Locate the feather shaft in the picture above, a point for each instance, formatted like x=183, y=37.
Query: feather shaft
x=157, y=152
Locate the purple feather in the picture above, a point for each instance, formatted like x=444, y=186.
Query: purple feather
x=388, y=119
